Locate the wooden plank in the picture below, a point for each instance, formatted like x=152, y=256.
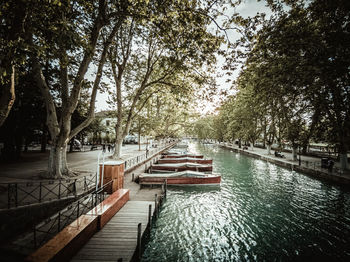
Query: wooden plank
x=63, y=246
x=110, y=206
x=118, y=238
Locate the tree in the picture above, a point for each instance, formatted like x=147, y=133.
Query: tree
x=71, y=52
x=167, y=49
x=13, y=16
x=297, y=62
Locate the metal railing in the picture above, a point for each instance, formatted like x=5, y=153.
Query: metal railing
x=134, y=161
x=48, y=228
x=19, y=194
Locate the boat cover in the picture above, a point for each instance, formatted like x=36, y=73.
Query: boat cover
x=179, y=174
x=187, y=164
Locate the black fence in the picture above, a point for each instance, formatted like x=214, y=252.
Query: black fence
x=13, y=195
x=47, y=229
x=132, y=162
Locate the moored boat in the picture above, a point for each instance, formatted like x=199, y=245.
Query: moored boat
x=180, y=178
x=175, y=152
x=184, y=160
x=182, y=155
x=178, y=167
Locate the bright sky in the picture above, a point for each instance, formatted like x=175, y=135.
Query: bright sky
x=247, y=8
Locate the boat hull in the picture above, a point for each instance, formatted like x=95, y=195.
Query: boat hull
x=182, y=156
x=211, y=180
x=182, y=168
x=176, y=160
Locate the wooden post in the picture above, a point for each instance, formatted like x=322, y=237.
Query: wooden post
x=39, y=192
x=59, y=222
x=155, y=204
x=78, y=209
x=34, y=236
x=59, y=189
x=149, y=216
x=139, y=241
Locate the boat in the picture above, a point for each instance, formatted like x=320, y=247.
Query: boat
x=180, y=178
x=184, y=160
x=181, y=146
x=178, y=167
x=182, y=155
x=175, y=152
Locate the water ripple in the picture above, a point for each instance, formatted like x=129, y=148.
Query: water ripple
x=260, y=213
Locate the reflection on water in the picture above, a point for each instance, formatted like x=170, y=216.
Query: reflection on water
x=260, y=212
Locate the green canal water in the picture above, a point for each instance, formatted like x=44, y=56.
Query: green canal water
x=261, y=212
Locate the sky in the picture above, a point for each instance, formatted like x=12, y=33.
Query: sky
x=246, y=8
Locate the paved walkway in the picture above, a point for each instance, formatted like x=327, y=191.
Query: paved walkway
x=32, y=164
x=307, y=162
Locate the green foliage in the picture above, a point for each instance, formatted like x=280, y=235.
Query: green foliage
x=294, y=82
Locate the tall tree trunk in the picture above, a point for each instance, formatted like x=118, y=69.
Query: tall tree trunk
x=118, y=148
x=54, y=170
x=343, y=156
x=64, y=164
x=7, y=98
x=119, y=140
x=315, y=119
x=268, y=148
x=253, y=145
x=139, y=136
x=43, y=140
x=294, y=152
x=57, y=166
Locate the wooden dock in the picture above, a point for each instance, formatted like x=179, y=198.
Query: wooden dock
x=118, y=238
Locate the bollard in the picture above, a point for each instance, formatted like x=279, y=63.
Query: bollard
x=139, y=249
x=34, y=236
x=133, y=177
x=149, y=216
x=40, y=185
x=155, y=204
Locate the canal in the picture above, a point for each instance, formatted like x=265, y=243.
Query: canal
x=261, y=212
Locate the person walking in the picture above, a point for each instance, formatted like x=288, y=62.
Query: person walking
x=330, y=165
x=109, y=148
x=103, y=148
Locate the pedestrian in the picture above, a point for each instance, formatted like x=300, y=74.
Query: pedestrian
x=330, y=165
x=109, y=148
x=103, y=148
